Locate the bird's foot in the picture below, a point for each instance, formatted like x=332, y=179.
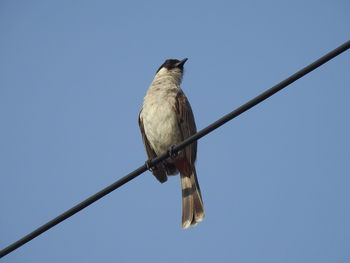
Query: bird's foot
x=173, y=154
x=149, y=165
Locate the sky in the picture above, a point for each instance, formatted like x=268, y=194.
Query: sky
x=275, y=180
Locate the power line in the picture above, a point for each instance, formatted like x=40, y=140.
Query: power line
x=263, y=96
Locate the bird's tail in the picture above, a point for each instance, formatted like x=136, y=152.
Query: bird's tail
x=192, y=203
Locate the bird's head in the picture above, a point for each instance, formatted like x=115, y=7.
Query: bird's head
x=173, y=68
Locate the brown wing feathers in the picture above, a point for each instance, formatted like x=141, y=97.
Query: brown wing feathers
x=159, y=171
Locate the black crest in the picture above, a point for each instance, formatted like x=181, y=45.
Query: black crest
x=173, y=63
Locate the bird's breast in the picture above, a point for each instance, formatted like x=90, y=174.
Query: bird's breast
x=160, y=120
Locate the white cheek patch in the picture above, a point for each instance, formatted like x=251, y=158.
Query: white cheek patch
x=163, y=71
x=174, y=73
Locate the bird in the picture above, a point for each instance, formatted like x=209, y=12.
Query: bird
x=165, y=120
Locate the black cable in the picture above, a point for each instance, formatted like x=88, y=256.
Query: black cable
x=198, y=135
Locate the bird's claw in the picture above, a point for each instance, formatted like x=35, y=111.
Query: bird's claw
x=149, y=166
x=173, y=154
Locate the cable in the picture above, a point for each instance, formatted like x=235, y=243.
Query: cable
x=263, y=96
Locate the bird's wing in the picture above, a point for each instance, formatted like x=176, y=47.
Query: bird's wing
x=186, y=124
x=158, y=171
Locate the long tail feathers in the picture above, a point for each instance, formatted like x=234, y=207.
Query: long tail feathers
x=187, y=201
x=192, y=204
x=197, y=199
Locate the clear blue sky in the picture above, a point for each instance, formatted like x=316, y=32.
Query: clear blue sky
x=275, y=181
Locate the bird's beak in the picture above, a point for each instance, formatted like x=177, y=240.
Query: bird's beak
x=182, y=62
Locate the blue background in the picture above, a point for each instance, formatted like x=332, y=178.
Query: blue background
x=275, y=180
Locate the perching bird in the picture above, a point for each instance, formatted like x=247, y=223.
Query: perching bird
x=165, y=120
